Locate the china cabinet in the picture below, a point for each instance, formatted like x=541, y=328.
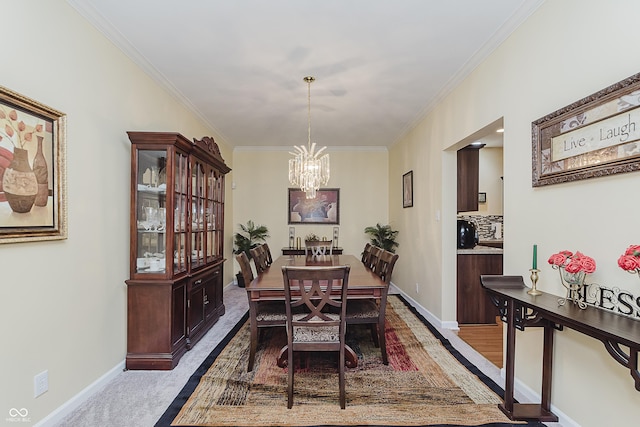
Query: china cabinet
x=174, y=291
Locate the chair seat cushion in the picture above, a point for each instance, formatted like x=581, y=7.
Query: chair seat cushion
x=316, y=334
x=271, y=311
x=363, y=309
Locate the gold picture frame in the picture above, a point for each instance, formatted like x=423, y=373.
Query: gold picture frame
x=596, y=136
x=32, y=170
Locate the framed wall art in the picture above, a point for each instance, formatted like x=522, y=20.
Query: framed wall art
x=596, y=136
x=32, y=170
x=407, y=189
x=323, y=209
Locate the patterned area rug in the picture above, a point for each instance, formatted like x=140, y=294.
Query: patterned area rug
x=426, y=383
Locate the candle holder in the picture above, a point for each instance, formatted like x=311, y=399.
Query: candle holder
x=534, y=281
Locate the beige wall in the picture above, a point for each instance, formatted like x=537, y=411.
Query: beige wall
x=261, y=181
x=63, y=303
x=567, y=50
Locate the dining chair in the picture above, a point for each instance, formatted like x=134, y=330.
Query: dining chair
x=366, y=254
x=372, y=311
x=374, y=256
x=264, y=314
x=318, y=247
x=316, y=303
x=269, y=258
x=259, y=256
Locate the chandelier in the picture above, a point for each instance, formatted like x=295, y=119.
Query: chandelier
x=307, y=169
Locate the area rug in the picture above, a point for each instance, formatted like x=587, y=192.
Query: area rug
x=426, y=383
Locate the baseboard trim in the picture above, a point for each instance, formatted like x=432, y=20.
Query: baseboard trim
x=450, y=324
x=56, y=417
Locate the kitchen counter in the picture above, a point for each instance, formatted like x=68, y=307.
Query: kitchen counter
x=481, y=250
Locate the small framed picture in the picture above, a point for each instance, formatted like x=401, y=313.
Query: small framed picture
x=482, y=197
x=407, y=189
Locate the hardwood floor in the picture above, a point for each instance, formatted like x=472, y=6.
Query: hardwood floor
x=485, y=339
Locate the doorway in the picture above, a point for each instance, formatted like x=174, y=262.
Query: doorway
x=483, y=334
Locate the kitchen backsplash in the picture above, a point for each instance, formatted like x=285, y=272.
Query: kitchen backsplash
x=484, y=224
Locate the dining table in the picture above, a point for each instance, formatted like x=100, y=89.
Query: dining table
x=269, y=286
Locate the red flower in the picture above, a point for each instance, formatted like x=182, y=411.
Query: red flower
x=628, y=263
x=630, y=260
x=558, y=259
x=588, y=264
x=633, y=250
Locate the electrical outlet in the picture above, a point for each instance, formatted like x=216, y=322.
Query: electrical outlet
x=40, y=383
x=417, y=288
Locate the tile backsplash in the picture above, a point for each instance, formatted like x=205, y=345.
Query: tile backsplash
x=483, y=224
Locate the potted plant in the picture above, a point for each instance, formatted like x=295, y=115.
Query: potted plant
x=249, y=236
x=383, y=236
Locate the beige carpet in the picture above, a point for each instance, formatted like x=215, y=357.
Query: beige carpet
x=426, y=383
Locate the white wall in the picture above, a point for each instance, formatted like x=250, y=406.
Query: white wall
x=566, y=50
x=63, y=303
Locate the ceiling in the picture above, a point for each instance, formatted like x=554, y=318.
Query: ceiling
x=380, y=65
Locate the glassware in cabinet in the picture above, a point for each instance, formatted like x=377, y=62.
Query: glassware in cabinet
x=150, y=216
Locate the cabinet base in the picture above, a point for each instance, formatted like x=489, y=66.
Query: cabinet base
x=161, y=362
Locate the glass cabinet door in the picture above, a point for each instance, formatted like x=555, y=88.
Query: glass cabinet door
x=180, y=212
x=151, y=212
x=215, y=211
x=198, y=202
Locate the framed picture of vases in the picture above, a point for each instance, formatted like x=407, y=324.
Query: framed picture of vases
x=32, y=170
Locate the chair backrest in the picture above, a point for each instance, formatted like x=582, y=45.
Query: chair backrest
x=374, y=257
x=245, y=267
x=366, y=254
x=384, y=267
x=259, y=258
x=313, y=291
x=268, y=253
x=318, y=247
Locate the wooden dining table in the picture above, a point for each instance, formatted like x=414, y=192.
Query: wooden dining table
x=269, y=286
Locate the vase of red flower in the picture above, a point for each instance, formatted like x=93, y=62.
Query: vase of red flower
x=573, y=270
x=630, y=260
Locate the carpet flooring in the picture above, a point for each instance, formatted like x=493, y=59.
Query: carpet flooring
x=427, y=382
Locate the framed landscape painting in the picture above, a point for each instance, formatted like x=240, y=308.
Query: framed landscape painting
x=32, y=170
x=323, y=209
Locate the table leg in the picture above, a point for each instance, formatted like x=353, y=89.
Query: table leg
x=507, y=407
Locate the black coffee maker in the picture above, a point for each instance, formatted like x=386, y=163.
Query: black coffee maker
x=467, y=234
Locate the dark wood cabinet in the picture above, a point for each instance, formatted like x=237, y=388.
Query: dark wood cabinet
x=473, y=304
x=176, y=251
x=468, y=178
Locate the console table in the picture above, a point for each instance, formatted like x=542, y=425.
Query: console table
x=296, y=251
x=519, y=310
